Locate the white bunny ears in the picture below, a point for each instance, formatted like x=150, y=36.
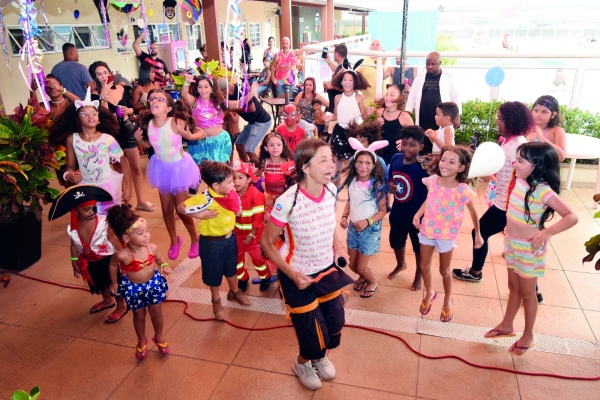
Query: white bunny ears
x=87, y=102
x=376, y=145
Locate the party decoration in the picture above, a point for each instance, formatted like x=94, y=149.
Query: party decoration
x=151, y=13
x=234, y=23
x=495, y=76
x=4, y=48
x=194, y=7
x=169, y=8
x=76, y=14
x=144, y=18
x=487, y=160
x=99, y=8
x=105, y=23
x=123, y=6
x=141, y=23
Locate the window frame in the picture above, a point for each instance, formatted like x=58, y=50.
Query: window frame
x=254, y=41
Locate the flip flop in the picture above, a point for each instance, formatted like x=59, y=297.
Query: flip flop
x=500, y=334
x=359, y=286
x=146, y=206
x=112, y=318
x=523, y=348
x=445, y=314
x=194, y=250
x=368, y=293
x=96, y=308
x=174, y=250
x=140, y=352
x=427, y=306
x=163, y=348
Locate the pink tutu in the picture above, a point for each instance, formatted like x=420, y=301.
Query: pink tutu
x=175, y=177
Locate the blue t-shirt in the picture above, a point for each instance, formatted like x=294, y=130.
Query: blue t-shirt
x=410, y=191
x=73, y=76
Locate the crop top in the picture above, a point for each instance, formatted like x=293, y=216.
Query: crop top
x=274, y=179
x=537, y=203
x=166, y=143
x=136, y=265
x=206, y=114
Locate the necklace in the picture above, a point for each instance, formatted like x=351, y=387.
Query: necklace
x=58, y=102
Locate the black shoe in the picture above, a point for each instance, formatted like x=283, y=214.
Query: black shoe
x=540, y=298
x=243, y=285
x=466, y=275
x=264, y=284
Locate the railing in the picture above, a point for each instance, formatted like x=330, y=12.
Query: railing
x=573, y=78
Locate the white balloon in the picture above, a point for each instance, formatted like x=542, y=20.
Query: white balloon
x=487, y=160
x=141, y=23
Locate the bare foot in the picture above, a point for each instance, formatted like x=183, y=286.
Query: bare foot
x=416, y=285
x=397, y=270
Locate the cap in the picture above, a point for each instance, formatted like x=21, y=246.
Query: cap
x=245, y=168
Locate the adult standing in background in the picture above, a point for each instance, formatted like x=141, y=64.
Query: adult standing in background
x=160, y=67
x=270, y=51
x=339, y=55
x=74, y=76
x=283, y=69
x=427, y=92
x=409, y=75
x=247, y=56
x=370, y=73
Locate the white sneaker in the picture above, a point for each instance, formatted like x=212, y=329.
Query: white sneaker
x=307, y=375
x=324, y=368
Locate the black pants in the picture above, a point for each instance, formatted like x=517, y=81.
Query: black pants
x=491, y=222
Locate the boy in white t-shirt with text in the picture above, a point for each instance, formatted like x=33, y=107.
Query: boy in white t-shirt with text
x=445, y=113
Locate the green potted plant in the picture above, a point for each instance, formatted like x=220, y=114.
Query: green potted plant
x=592, y=246
x=25, y=162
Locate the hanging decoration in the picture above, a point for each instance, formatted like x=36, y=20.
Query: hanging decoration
x=4, y=49
x=193, y=7
x=76, y=14
x=99, y=8
x=123, y=6
x=169, y=8
x=105, y=23
x=151, y=13
x=234, y=23
x=30, y=49
x=45, y=21
x=144, y=18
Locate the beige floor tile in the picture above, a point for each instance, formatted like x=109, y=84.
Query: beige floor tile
x=570, y=255
x=161, y=238
x=587, y=288
x=55, y=232
x=388, y=300
x=487, y=287
x=22, y=296
x=383, y=263
x=479, y=311
x=593, y=319
x=579, y=234
x=557, y=290
x=583, y=210
x=447, y=379
x=55, y=266
x=336, y=391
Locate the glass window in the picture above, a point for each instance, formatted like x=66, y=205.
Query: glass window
x=254, y=34
x=82, y=36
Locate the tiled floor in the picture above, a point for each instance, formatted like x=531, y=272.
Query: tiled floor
x=48, y=338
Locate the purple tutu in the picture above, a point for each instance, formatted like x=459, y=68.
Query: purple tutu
x=175, y=177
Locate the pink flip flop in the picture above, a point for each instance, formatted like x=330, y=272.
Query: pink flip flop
x=426, y=307
x=194, y=250
x=174, y=250
x=163, y=348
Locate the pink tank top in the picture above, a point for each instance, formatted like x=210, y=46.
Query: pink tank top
x=207, y=115
x=167, y=144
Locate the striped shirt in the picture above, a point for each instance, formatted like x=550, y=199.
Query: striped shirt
x=537, y=203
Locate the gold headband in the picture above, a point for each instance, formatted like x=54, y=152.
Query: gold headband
x=136, y=224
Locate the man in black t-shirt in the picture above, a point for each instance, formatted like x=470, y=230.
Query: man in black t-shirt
x=160, y=67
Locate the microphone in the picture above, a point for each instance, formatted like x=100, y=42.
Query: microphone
x=341, y=261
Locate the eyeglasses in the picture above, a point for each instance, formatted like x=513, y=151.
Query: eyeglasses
x=161, y=99
x=85, y=115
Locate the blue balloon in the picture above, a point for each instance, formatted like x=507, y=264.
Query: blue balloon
x=494, y=76
x=76, y=14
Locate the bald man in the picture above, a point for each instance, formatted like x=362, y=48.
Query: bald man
x=427, y=92
x=370, y=73
x=283, y=68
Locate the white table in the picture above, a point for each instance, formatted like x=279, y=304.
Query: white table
x=584, y=147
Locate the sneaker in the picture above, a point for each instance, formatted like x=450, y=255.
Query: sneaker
x=243, y=285
x=466, y=275
x=324, y=368
x=540, y=298
x=264, y=284
x=307, y=375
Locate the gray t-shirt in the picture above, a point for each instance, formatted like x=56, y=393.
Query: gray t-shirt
x=73, y=77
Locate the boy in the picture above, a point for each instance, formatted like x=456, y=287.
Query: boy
x=319, y=120
x=405, y=181
x=264, y=78
x=445, y=113
x=249, y=227
x=218, y=206
x=291, y=132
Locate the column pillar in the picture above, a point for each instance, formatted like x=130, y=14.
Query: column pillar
x=330, y=14
x=286, y=19
x=324, y=32
x=211, y=29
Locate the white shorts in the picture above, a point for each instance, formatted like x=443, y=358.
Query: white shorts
x=442, y=246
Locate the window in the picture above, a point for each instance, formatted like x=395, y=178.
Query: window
x=84, y=37
x=254, y=34
x=158, y=33
x=221, y=32
x=194, y=33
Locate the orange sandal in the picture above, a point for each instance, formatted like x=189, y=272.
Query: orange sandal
x=444, y=314
x=163, y=348
x=140, y=352
x=426, y=307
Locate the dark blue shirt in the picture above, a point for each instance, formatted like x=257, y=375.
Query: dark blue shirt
x=410, y=192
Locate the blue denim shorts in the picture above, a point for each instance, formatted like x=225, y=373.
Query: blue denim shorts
x=442, y=246
x=252, y=135
x=367, y=242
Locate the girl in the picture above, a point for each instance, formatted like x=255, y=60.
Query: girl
x=275, y=160
x=93, y=150
x=392, y=118
x=207, y=109
x=349, y=106
x=367, y=134
x=309, y=280
x=304, y=100
x=117, y=100
x=171, y=170
x=547, y=117
x=532, y=203
x=139, y=97
x=365, y=208
x=60, y=98
x=442, y=213
x=141, y=285
x=513, y=121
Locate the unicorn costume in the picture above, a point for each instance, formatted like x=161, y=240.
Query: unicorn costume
x=213, y=148
x=170, y=169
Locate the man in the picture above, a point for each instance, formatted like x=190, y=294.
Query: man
x=203, y=53
x=283, y=69
x=427, y=92
x=339, y=55
x=160, y=67
x=370, y=73
x=74, y=76
x=394, y=74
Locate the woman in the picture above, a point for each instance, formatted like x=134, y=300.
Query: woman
x=271, y=50
x=115, y=97
x=247, y=56
x=59, y=97
x=305, y=98
x=392, y=119
x=139, y=96
x=547, y=117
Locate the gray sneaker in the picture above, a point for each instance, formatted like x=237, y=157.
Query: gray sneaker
x=324, y=368
x=307, y=375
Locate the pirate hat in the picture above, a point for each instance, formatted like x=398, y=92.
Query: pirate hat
x=73, y=197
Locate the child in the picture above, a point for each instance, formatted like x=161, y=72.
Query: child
x=93, y=150
x=366, y=134
x=442, y=213
x=264, y=77
x=445, y=113
x=170, y=169
x=365, y=208
x=309, y=280
x=319, y=120
x=291, y=132
x=393, y=120
x=405, y=177
x=218, y=253
x=276, y=161
x=141, y=284
x=249, y=227
x=526, y=238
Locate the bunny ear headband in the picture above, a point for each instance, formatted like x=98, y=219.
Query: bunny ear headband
x=87, y=102
x=347, y=67
x=357, y=145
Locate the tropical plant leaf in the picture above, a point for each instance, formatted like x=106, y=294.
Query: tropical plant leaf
x=20, y=395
